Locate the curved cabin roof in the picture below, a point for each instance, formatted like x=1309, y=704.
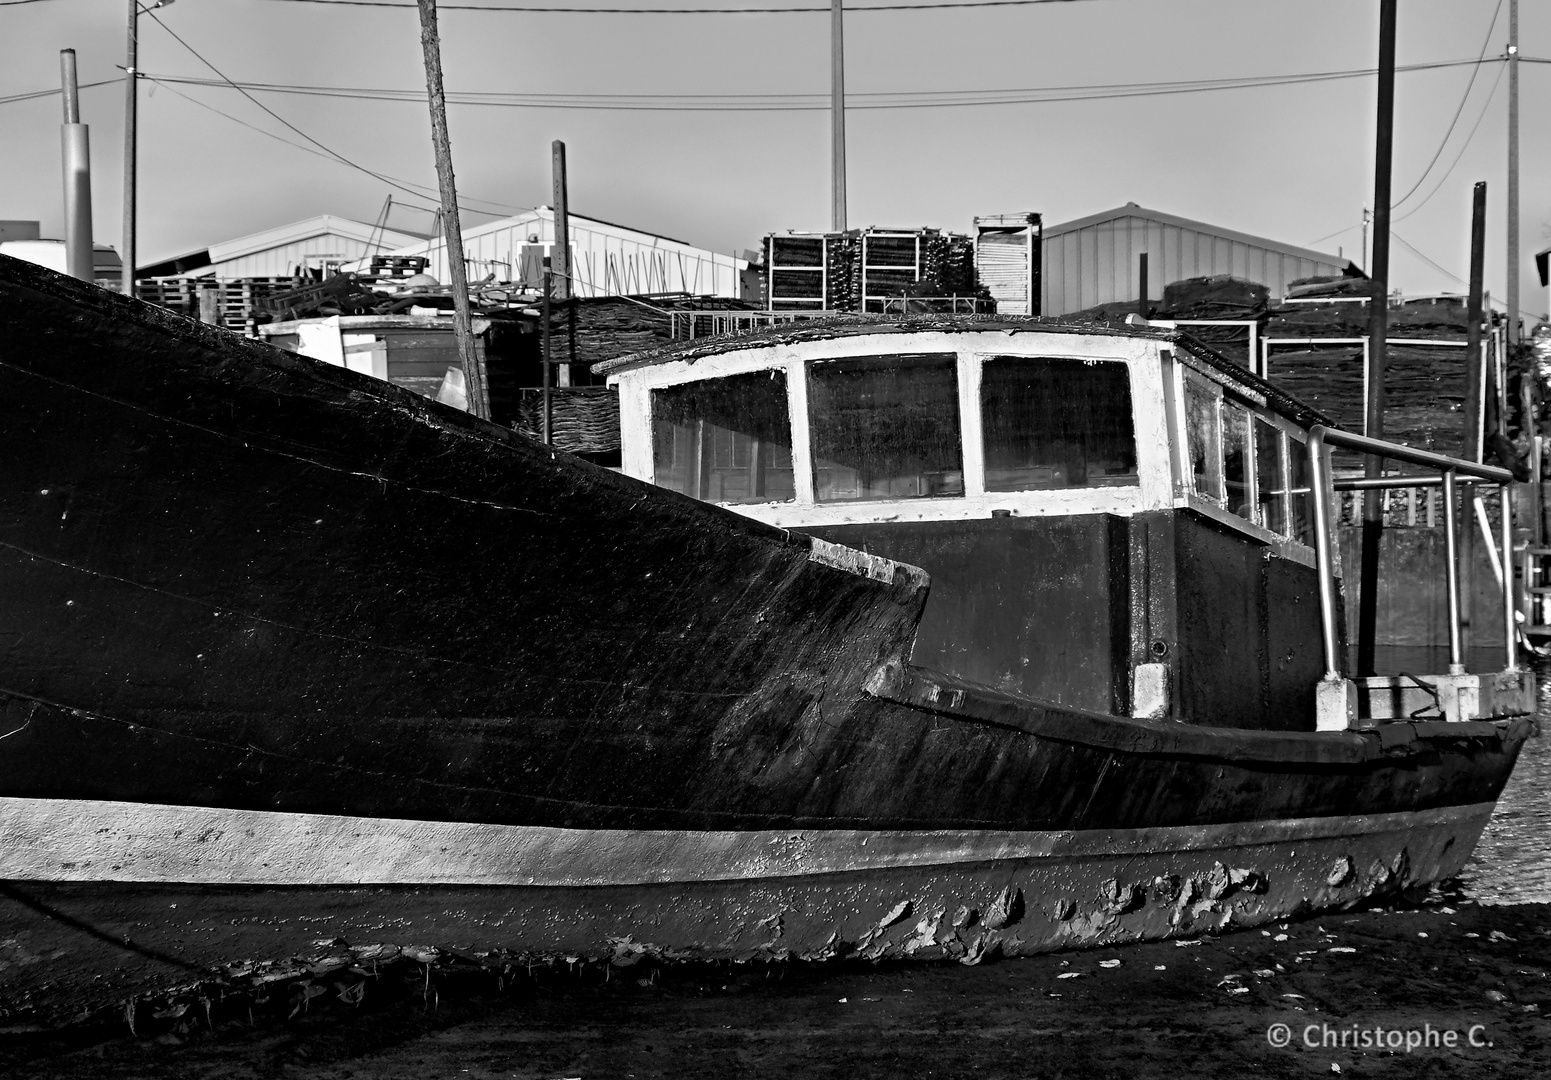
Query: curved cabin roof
x=809, y=330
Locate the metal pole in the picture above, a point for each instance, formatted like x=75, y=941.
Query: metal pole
x=76, y=145
x=1513, y=172
x=452, y=232
x=1510, y=600
x=1320, y=490
x=1141, y=284
x=1378, y=314
x=837, y=117
x=1451, y=552
x=131, y=88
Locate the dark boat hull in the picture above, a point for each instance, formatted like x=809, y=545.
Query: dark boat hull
x=311, y=657
x=171, y=918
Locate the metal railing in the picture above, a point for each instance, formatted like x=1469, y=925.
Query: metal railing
x=1449, y=472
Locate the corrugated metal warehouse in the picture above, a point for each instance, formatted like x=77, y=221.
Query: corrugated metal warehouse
x=1093, y=260
x=322, y=243
x=608, y=259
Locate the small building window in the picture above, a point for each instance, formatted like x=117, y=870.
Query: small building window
x=1203, y=437
x=1271, y=479
x=886, y=427
x=1055, y=423
x=725, y=440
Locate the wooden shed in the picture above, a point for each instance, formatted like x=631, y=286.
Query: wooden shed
x=1093, y=260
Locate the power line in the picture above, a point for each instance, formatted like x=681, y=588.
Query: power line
x=544, y=10
x=429, y=199
x=1331, y=236
x=407, y=189
x=791, y=102
x=912, y=99
x=1446, y=273
x=1463, y=147
x=1463, y=98
x=52, y=91
x=1444, y=178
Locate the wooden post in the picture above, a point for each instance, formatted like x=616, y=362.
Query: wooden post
x=1513, y=172
x=560, y=255
x=1471, y=448
x=131, y=101
x=1141, y=281
x=547, y=362
x=462, y=319
x=837, y=116
x=1378, y=329
x=561, y=259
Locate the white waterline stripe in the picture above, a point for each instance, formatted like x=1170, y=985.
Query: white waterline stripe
x=90, y=840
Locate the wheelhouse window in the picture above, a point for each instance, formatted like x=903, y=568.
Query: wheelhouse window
x=1270, y=477
x=1203, y=436
x=886, y=427
x=725, y=440
x=1056, y=423
x=1301, y=523
x=1236, y=461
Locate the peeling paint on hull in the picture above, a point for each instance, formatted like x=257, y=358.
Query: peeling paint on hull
x=170, y=933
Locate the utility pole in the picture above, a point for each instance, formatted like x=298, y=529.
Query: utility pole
x=1513, y=172
x=452, y=232
x=1378, y=331
x=837, y=117
x=131, y=101
x=76, y=144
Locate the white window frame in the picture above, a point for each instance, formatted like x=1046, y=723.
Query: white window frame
x=1154, y=489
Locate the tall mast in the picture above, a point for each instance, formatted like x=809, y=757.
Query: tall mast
x=837, y=117
x=1513, y=172
x=452, y=228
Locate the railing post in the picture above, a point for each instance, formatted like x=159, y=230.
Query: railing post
x=1510, y=622
x=1321, y=491
x=1451, y=556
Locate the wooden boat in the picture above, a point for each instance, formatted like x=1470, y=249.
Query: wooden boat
x=291, y=655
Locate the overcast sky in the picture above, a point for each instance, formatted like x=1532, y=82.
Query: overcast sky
x=1290, y=162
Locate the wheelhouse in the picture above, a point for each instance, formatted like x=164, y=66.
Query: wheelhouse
x=1114, y=518
x=857, y=427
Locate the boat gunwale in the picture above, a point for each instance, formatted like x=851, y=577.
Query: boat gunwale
x=970, y=702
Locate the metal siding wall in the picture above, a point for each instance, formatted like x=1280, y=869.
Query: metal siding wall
x=1098, y=264
x=281, y=261
x=603, y=263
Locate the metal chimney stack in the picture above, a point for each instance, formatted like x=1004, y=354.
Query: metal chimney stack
x=79, y=260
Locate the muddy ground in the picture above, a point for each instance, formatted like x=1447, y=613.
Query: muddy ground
x=1166, y=1009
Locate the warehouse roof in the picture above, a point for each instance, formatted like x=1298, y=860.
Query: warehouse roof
x=1131, y=209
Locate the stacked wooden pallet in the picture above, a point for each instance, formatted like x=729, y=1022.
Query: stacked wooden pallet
x=583, y=419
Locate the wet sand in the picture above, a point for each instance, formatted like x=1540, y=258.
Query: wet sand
x=1166, y=1009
